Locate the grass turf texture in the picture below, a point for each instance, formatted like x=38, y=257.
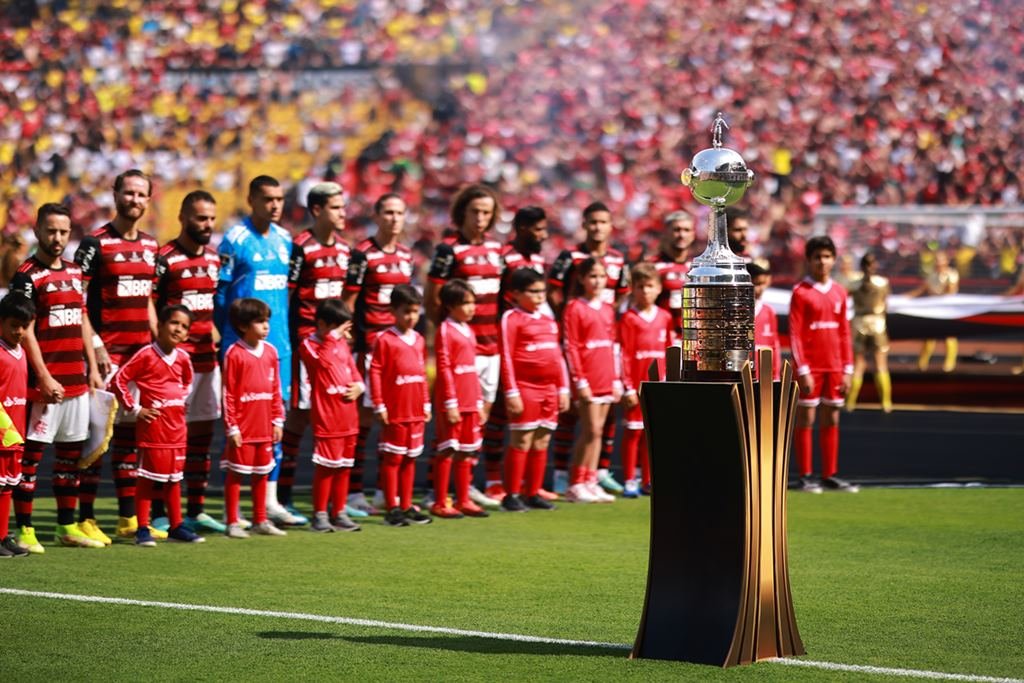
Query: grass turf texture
x=922, y=579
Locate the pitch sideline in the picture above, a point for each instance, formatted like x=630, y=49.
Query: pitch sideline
x=517, y=637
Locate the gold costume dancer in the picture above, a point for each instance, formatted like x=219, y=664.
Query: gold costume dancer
x=870, y=297
x=944, y=279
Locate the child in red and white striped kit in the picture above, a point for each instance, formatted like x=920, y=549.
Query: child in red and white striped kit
x=16, y=314
x=459, y=402
x=592, y=353
x=536, y=386
x=644, y=332
x=162, y=373
x=401, y=400
x=335, y=384
x=253, y=414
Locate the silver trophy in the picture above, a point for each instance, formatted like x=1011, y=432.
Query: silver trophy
x=718, y=299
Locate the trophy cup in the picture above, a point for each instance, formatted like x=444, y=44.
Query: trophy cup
x=718, y=299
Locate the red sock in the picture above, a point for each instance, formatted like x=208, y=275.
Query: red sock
x=577, y=475
x=172, y=501
x=389, y=466
x=829, y=442
x=5, y=511
x=339, y=490
x=645, y=461
x=463, y=474
x=406, y=474
x=442, y=474
x=321, y=487
x=536, y=464
x=630, y=446
x=143, y=500
x=802, y=445
x=515, y=466
x=232, y=495
x=259, y=498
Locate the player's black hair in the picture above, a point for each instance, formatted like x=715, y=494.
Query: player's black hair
x=454, y=293
x=867, y=258
x=18, y=306
x=819, y=242
x=333, y=312
x=524, y=278
x=594, y=207
x=196, y=196
x=133, y=173
x=167, y=311
x=378, y=205
x=468, y=194
x=245, y=311
x=51, y=209
x=405, y=295
x=528, y=216
x=261, y=181
x=734, y=212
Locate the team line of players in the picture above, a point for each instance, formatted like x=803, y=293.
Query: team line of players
x=518, y=347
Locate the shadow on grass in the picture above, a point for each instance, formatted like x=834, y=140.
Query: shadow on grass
x=457, y=644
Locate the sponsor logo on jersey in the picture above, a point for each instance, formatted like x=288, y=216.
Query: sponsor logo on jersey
x=327, y=289
x=266, y=282
x=541, y=346
x=825, y=325
x=12, y=401
x=169, y=403
x=464, y=370
x=197, y=301
x=484, y=286
x=409, y=379
x=598, y=344
x=130, y=287
x=256, y=396
x=65, y=317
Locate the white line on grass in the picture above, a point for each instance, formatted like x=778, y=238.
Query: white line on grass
x=518, y=637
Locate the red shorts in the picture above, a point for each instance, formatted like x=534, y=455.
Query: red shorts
x=249, y=458
x=10, y=467
x=828, y=389
x=463, y=436
x=335, y=451
x=633, y=417
x=161, y=464
x=402, y=438
x=540, y=408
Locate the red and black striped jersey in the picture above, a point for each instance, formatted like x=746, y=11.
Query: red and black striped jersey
x=564, y=270
x=118, y=275
x=190, y=280
x=481, y=266
x=374, y=274
x=59, y=298
x=514, y=260
x=316, y=272
x=673, y=278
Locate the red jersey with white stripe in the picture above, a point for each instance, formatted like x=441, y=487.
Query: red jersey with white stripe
x=163, y=381
x=818, y=328
x=13, y=381
x=118, y=275
x=59, y=298
x=398, y=376
x=766, y=335
x=643, y=336
x=514, y=260
x=316, y=272
x=564, y=270
x=480, y=265
x=189, y=279
x=590, y=346
x=375, y=273
x=332, y=369
x=456, y=385
x=673, y=278
x=252, y=392
x=531, y=352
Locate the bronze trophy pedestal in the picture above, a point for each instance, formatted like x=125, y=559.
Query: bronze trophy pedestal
x=718, y=580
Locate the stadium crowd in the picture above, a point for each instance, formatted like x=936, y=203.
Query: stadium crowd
x=857, y=104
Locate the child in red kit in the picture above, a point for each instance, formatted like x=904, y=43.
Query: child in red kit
x=335, y=384
x=595, y=372
x=766, y=323
x=253, y=414
x=398, y=384
x=644, y=333
x=459, y=402
x=16, y=314
x=162, y=374
x=536, y=385
x=823, y=352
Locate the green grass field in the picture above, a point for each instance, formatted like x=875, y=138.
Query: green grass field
x=917, y=579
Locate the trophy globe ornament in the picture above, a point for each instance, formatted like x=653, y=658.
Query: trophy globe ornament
x=718, y=299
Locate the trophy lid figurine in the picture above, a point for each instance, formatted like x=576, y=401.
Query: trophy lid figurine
x=718, y=299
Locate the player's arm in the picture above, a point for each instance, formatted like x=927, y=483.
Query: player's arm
x=627, y=349
x=355, y=276
x=573, y=340
x=232, y=428
x=87, y=257
x=622, y=286
x=796, y=343
x=445, y=382
x=376, y=380
x=427, y=407
x=441, y=269
x=558, y=280
x=50, y=389
x=295, y=264
x=226, y=251
x=96, y=373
